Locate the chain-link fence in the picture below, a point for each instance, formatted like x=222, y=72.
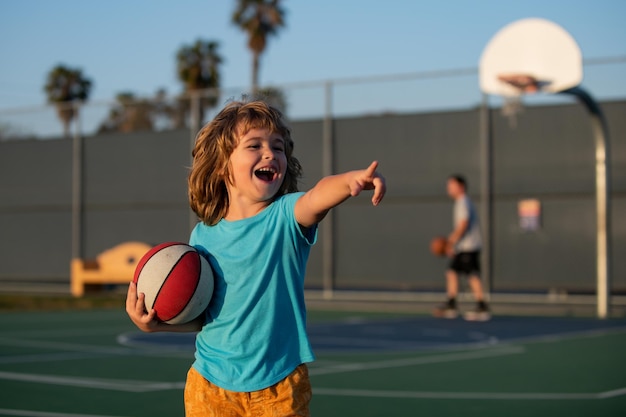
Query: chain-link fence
x=347, y=97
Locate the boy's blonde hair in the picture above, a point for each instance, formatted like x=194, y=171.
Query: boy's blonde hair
x=210, y=170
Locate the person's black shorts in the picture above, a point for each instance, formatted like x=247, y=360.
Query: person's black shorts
x=466, y=263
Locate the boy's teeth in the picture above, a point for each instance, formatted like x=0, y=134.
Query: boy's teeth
x=265, y=173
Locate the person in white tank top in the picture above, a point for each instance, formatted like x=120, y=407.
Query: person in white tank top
x=463, y=248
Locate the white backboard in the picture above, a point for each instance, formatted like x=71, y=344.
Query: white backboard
x=535, y=47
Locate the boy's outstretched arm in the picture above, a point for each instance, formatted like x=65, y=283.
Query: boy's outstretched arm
x=331, y=191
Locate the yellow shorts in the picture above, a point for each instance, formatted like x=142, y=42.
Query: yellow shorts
x=289, y=397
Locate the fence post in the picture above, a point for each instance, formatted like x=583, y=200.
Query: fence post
x=194, y=127
x=486, y=146
x=328, y=227
x=77, y=185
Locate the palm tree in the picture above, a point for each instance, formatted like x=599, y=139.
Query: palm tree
x=198, y=69
x=129, y=114
x=259, y=19
x=64, y=86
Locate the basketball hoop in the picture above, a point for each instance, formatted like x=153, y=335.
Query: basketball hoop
x=512, y=104
x=527, y=57
x=536, y=55
x=526, y=83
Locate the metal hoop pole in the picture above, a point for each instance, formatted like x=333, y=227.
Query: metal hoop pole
x=603, y=199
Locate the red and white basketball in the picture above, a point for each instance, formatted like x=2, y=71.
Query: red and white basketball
x=177, y=281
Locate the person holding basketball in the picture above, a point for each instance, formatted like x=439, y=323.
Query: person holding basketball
x=256, y=230
x=464, y=244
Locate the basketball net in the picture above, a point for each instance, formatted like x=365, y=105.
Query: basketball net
x=512, y=105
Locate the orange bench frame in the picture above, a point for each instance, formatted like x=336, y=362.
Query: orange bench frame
x=113, y=266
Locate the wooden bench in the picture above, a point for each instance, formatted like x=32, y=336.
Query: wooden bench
x=113, y=266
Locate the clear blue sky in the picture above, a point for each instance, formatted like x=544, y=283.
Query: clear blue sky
x=130, y=45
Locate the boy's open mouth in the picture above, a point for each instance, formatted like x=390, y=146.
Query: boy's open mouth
x=265, y=174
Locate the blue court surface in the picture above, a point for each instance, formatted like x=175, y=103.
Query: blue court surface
x=361, y=335
x=96, y=364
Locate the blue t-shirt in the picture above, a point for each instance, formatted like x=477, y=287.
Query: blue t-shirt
x=255, y=330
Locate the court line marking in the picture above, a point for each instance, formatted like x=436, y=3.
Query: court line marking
x=72, y=351
x=613, y=393
x=33, y=413
x=146, y=386
x=495, y=342
x=57, y=331
x=75, y=347
x=359, y=342
x=559, y=337
x=98, y=383
x=50, y=357
x=470, y=395
x=422, y=360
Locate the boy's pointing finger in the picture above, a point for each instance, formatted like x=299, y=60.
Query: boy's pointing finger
x=371, y=170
